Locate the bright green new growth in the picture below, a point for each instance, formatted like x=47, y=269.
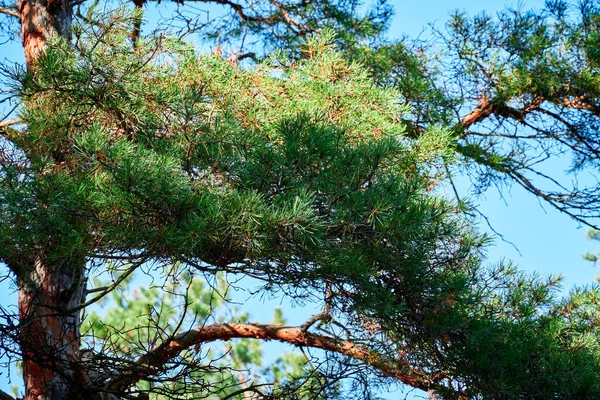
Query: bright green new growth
x=184, y=155
x=300, y=176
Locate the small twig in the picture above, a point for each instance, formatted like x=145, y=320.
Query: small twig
x=307, y=358
x=119, y=257
x=235, y=59
x=303, y=28
x=314, y=319
x=108, y=289
x=252, y=389
x=96, y=290
x=10, y=11
x=323, y=315
x=476, y=211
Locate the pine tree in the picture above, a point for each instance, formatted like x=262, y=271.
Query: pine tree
x=300, y=172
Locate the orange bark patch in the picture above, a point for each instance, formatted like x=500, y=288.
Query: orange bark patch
x=49, y=336
x=41, y=20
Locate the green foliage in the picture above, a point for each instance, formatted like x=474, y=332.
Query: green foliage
x=299, y=174
x=535, y=73
x=518, y=90
x=185, y=144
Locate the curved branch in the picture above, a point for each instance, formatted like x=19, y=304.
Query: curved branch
x=154, y=360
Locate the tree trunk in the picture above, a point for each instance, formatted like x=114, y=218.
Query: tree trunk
x=50, y=337
x=41, y=20
x=47, y=290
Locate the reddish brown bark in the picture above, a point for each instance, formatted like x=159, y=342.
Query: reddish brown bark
x=137, y=26
x=49, y=335
x=483, y=110
x=156, y=358
x=41, y=20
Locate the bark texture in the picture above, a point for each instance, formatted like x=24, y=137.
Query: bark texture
x=41, y=20
x=50, y=337
x=49, y=333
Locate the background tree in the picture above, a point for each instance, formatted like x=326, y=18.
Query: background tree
x=299, y=174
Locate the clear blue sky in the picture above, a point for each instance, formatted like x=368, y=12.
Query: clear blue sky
x=548, y=241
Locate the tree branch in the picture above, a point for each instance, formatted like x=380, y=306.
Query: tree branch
x=4, y=126
x=488, y=107
x=579, y=103
x=282, y=15
x=303, y=28
x=13, y=12
x=107, y=289
x=324, y=315
x=153, y=361
x=10, y=122
x=561, y=202
x=483, y=110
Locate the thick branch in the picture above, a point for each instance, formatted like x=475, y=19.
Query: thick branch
x=483, y=110
x=488, y=107
x=154, y=360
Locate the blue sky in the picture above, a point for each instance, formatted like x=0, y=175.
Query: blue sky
x=548, y=241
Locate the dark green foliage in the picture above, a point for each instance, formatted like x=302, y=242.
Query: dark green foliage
x=305, y=177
